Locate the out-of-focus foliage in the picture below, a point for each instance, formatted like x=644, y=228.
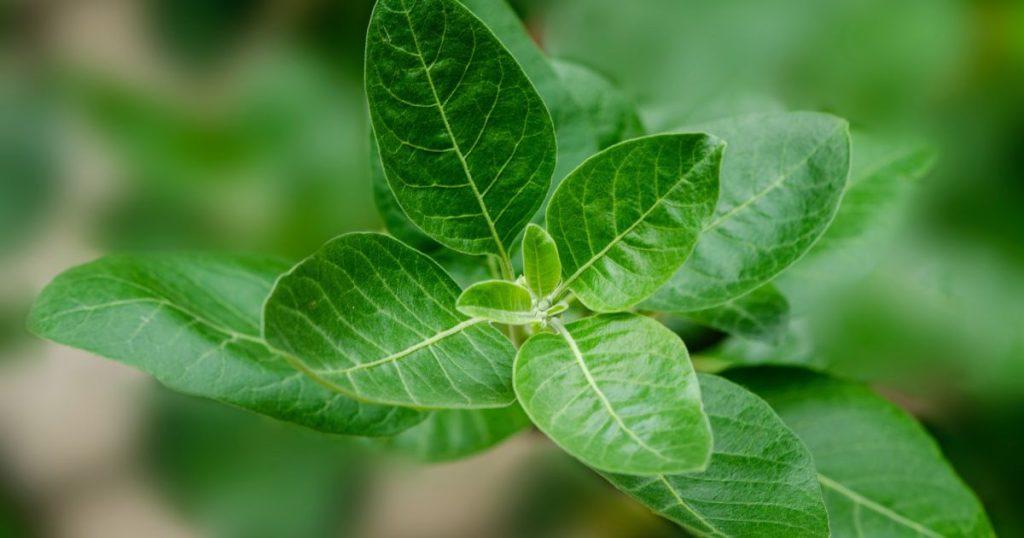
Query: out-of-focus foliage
x=235, y=474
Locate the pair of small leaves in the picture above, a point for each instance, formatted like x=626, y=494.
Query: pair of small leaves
x=511, y=303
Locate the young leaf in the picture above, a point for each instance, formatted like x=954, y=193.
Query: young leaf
x=781, y=185
x=759, y=315
x=375, y=319
x=760, y=482
x=613, y=117
x=616, y=391
x=573, y=130
x=498, y=300
x=467, y=144
x=192, y=321
x=880, y=472
x=628, y=217
x=541, y=266
x=453, y=434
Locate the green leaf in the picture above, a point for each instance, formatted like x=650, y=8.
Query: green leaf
x=573, y=128
x=781, y=184
x=618, y=392
x=882, y=177
x=192, y=321
x=467, y=144
x=395, y=220
x=881, y=474
x=498, y=300
x=376, y=320
x=761, y=480
x=760, y=315
x=613, y=117
x=628, y=217
x=453, y=434
x=541, y=266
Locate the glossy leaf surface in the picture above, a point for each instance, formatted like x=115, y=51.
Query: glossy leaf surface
x=628, y=217
x=541, y=266
x=761, y=480
x=881, y=474
x=613, y=117
x=375, y=319
x=781, y=184
x=452, y=434
x=618, y=392
x=497, y=300
x=466, y=142
x=760, y=315
x=192, y=321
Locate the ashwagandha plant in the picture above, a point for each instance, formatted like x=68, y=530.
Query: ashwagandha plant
x=558, y=325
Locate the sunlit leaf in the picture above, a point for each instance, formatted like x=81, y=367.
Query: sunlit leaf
x=880, y=472
x=192, y=321
x=781, y=183
x=761, y=480
x=618, y=392
x=628, y=217
x=497, y=300
x=541, y=266
x=375, y=319
x=466, y=142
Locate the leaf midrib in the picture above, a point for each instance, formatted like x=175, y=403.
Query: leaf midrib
x=861, y=500
x=683, y=504
x=683, y=180
x=455, y=143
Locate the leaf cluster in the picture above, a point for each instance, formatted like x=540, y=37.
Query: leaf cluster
x=493, y=160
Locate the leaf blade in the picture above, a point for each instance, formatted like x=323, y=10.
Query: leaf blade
x=778, y=164
x=759, y=315
x=541, y=265
x=497, y=300
x=612, y=116
x=377, y=320
x=596, y=375
x=871, y=458
x=470, y=180
x=133, y=308
x=642, y=204
x=752, y=446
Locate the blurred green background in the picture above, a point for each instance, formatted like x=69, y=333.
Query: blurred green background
x=241, y=125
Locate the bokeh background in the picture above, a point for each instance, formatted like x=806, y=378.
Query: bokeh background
x=130, y=125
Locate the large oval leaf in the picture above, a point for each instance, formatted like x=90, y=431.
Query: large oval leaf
x=375, y=319
x=467, y=144
x=192, y=321
x=451, y=434
x=628, y=217
x=760, y=482
x=781, y=184
x=881, y=474
x=618, y=392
